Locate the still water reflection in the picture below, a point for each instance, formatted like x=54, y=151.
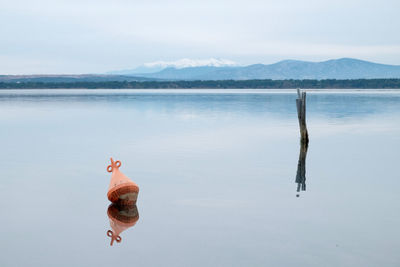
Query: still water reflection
x=301, y=169
x=121, y=219
x=215, y=170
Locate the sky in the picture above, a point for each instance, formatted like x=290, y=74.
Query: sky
x=97, y=36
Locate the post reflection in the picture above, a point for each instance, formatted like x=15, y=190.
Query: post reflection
x=301, y=169
x=121, y=218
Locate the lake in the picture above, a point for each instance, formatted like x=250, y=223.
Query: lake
x=217, y=177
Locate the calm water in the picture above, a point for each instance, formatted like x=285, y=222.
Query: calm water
x=216, y=171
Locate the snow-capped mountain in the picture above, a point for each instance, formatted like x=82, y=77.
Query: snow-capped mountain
x=186, y=63
x=343, y=68
x=157, y=66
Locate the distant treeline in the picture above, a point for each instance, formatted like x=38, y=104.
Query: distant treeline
x=234, y=84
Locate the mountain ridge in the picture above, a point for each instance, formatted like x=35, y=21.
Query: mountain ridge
x=289, y=69
x=342, y=68
x=157, y=66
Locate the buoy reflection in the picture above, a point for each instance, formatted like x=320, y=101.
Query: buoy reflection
x=121, y=218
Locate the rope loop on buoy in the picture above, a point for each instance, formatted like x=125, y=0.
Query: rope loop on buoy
x=113, y=165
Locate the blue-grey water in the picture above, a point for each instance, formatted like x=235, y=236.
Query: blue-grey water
x=216, y=171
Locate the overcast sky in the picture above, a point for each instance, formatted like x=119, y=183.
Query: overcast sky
x=85, y=36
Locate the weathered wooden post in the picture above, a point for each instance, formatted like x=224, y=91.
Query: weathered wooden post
x=301, y=114
x=301, y=169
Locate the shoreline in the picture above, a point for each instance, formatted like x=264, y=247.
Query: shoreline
x=111, y=91
x=208, y=84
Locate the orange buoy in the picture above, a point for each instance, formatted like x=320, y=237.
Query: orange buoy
x=121, y=190
x=121, y=218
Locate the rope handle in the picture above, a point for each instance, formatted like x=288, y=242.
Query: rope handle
x=113, y=165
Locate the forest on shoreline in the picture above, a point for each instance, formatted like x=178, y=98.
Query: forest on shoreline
x=222, y=84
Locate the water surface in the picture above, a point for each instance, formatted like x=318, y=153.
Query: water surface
x=216, y=170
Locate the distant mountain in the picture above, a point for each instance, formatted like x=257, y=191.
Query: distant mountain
x=217, y=69
x=192, y=73
x=344, y=68
x=157, y=66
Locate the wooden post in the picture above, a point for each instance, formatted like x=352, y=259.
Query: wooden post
x=301, y=115
x=301, y=169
